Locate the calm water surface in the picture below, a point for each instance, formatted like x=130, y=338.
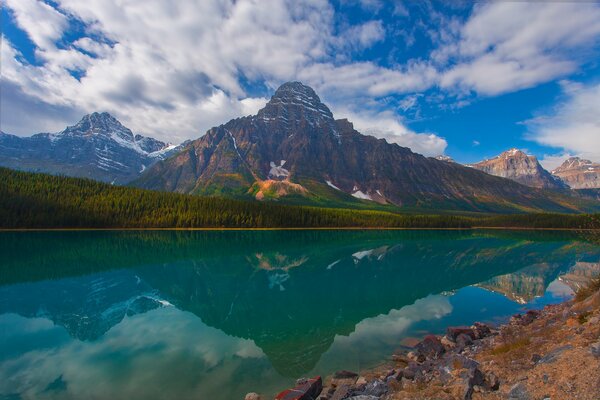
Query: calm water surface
x=214, y=315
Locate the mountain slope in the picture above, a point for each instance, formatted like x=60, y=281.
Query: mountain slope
x=579, y=173
x=97, y=147
x=294, y=150
x=518, y=166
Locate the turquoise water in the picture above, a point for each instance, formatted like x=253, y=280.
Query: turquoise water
x=214, y=315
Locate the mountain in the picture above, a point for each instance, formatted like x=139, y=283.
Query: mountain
x=520, y=167
x=295, y=150
x=579, y=173
x=97, y=147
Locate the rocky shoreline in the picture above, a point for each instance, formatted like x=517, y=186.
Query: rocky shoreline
x=552, y=353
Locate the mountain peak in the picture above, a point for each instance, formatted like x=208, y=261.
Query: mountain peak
x=513, y=153
x=294, y=102
x=517, y=165
x=572, y=162
x=579, y=173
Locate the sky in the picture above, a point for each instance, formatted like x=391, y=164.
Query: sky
x=465, y=79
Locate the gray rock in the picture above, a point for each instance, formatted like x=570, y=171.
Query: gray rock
x=595, y=349
x=375, y=388
x=252, y=396
x=518, y=392
x=554, y=354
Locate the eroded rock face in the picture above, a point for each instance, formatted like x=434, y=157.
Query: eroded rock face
x=97, y=147
x=294, y=146
x=520, y=167
x=579, y=173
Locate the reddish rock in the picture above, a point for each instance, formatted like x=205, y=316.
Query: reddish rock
x=309, y=390
x=431, y=347
x=454, y=331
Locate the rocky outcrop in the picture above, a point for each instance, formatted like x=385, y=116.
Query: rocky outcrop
x=294, y=148
x=579, y=173
x=97, y=147
x=548, y=353
x=520, y=167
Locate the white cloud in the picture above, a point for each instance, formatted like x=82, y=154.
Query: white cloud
x=42, y=23
x=507, y=46
x=573, y=124
x=173, y=70
x=386, y=125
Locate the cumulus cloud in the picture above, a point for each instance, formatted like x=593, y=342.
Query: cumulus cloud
x=506, y=46
x=173, y=70
x=572, y=125
x=386, y=125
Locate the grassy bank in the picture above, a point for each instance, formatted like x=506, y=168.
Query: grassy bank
x=30, y=200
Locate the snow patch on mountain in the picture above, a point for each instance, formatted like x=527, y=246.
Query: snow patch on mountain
x=277, y=171
x=359, y=194
x=330, y=184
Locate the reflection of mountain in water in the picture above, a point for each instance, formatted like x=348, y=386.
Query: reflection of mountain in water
x=580, y=274
x=290, y=292
x=87, y=306
x=530, y=282
x=526, y=284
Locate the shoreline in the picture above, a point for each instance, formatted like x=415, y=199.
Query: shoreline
x=508, y=228
x=552, y=353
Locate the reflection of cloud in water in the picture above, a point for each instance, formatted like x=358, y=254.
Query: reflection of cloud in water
x=559, y=289
x=390, y=326
x=373, y=338
x=163, y=353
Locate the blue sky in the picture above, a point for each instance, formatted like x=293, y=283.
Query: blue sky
x=465, y=79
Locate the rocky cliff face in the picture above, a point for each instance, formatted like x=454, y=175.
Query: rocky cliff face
x=97, y=147
x=520, y=167
x=294, y=147
x=579, y=173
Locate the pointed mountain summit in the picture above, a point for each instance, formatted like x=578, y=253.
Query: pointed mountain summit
x=97, y=147
x=579, y=173
x=516, y=165
x=294, y=150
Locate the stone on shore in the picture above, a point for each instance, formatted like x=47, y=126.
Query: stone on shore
x=306, y=389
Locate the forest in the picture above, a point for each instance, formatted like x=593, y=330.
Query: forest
x=34, y=200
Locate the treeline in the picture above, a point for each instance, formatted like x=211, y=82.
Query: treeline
x=29, y=200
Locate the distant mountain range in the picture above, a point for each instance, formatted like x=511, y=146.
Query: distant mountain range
x=294, y=151
x=97, y=147
x=520, y=167
x=579, y=173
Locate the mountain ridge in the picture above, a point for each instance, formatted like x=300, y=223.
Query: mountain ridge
x=293, y=149
x=98, y=146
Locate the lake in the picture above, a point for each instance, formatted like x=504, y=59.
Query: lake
x=217, y=314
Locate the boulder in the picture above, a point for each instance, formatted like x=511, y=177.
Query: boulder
x=252, y=396
x=453, y=332
x=308, y=390
x=431, y=347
